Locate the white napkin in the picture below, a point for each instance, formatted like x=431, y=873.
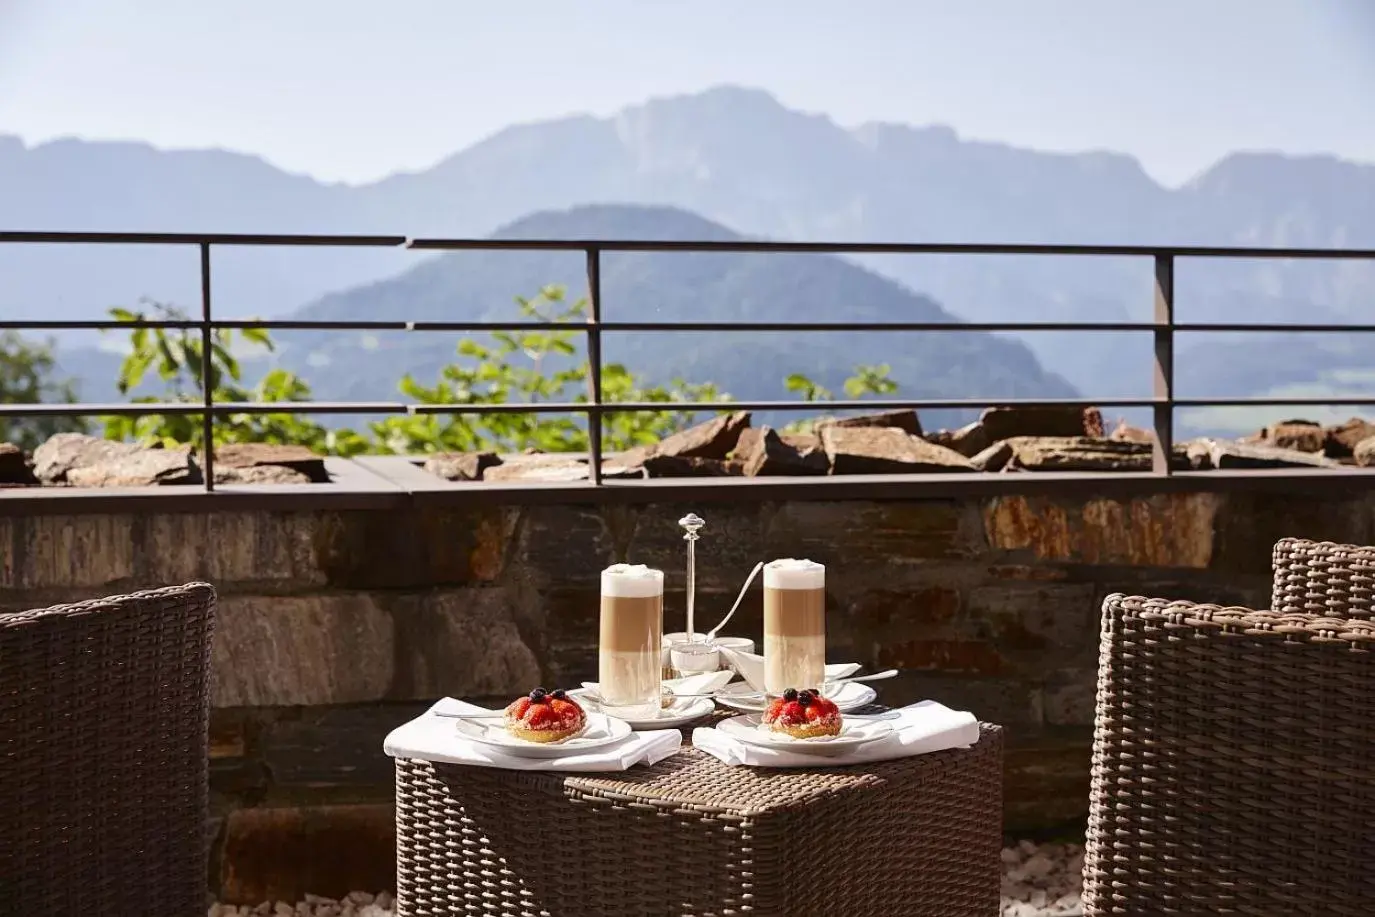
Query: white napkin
x=918, y=730
x=435, y=738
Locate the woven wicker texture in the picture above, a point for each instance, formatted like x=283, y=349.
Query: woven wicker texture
x=103, y=764
x=1233, y=763
x=691, y=836
x=1322, y=578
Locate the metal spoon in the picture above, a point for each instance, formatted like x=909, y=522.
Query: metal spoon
x=877, y=676
x=738, y=599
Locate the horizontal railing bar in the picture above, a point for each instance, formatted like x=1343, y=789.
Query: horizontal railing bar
x=897, y=248
x=1262, y=402
x=642, y=245
x=192, y=238
x=718, y=327
x=1262, y=328
x=106, y=324
x=668, y=327
x=183, y=408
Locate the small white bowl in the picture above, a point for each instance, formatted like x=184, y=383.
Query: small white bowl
x=744, y=644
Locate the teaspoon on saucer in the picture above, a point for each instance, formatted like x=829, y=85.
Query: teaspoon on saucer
x=877, y=676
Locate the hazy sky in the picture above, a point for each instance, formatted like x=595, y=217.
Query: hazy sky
x=353, y=89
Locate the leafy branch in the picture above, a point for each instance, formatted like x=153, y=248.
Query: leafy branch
x=533, y=366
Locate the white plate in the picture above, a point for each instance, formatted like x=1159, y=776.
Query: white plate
x=682, y=711
x=852, y=735
x=850, y=695
x=601, y=730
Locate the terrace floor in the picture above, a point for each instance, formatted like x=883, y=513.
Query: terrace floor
x=1039, y=880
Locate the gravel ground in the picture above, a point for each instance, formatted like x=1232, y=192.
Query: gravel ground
x=356, y=904
x=1042, y=880
x=1039, y=880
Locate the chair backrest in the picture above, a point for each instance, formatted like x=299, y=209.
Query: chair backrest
x=104, y=710
x=1233, y=763
x=1324, y=578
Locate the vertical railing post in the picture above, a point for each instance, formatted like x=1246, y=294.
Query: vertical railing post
x=594, y=361
x=207, y=389
x=1163, y=389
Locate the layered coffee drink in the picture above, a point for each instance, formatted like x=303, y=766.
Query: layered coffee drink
x=630, y=654
x=794, y=625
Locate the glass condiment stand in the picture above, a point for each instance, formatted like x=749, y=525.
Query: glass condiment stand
x=693, y=654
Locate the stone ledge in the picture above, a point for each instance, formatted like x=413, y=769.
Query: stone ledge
x=378, y=492
x=357, y=647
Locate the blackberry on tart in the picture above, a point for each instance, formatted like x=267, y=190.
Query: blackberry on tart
x=545, y=716
x=803, y=715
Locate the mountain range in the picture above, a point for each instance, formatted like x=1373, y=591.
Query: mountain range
x=737, y=157
x=665, y=287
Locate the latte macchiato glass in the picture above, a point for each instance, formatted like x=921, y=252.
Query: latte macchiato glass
x=630, y=654
x=794, y=625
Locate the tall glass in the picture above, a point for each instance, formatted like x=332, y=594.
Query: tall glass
x=630, y=654
x=794, y=625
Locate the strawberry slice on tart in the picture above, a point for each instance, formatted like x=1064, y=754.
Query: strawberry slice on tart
x=545, y=716
x=803, y=715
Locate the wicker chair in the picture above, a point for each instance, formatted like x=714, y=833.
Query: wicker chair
x=103, y=765
x=1233, y=763
x=1323, y=578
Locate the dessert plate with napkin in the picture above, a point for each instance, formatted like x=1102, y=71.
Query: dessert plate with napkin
x=436, y=735
x=916, y=730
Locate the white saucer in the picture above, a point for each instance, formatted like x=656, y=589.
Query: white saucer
x=852, y=735
x=849, y=695
x=601, y=730
x=682, y=711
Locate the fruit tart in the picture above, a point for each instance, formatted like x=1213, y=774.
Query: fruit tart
x=545, y=716
x=803, y=715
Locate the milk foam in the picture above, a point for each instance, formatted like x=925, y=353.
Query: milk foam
x=632, y=581
x=790, y=573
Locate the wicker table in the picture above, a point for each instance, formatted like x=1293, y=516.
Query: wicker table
x=691, y=836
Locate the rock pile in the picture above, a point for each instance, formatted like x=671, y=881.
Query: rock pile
x=1002, y=440
x=79, y=460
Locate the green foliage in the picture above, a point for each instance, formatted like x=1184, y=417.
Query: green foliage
x=532, y=367
x=867, y=380
x=26, y=377
x=870, y=380
x=809, y=390
x=178, y=359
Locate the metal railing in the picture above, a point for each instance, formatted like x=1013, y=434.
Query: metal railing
x=1163, y=327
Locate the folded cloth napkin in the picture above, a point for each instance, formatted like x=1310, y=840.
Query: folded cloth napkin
x=917, y=730
x=435, y=738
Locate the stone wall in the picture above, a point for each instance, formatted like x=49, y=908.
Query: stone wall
x=335, y=626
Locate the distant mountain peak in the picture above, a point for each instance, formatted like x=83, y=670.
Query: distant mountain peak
x=617, y=221
x=1254, y=170
x=728, y=96
x=874, y=133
